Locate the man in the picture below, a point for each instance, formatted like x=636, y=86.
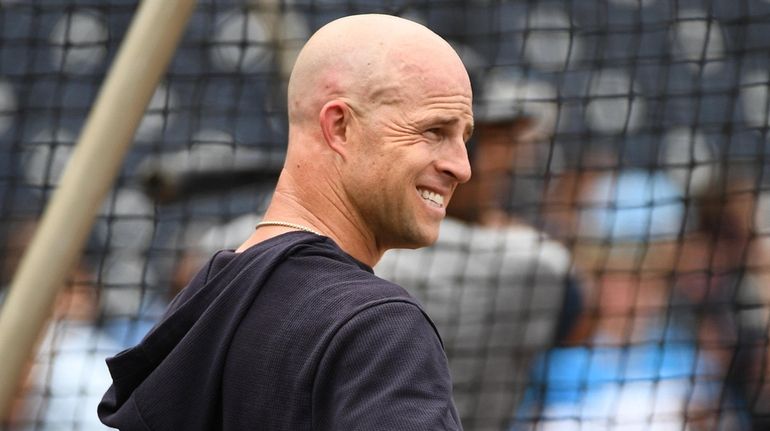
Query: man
x=498, y=290
x=292, y=331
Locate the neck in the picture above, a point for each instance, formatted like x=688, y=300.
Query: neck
x=316, y=208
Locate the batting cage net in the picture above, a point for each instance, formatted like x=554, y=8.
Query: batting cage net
x=607, y=268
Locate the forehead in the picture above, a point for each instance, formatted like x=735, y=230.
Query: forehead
x=419, y=81
x=431, y=67
x=426, y=84
x=421, y=56
x=441, y=100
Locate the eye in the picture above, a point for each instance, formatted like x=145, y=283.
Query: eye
x=434, y=133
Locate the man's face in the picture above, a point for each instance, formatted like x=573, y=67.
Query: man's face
x=411, y=156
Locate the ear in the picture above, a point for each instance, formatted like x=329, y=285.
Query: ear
x=334, y=119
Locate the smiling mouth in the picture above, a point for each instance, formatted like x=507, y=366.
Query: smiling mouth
x=432, y=198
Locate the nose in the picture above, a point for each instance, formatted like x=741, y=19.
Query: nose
x=454, y=161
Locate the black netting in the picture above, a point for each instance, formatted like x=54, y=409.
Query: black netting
x=609, y=269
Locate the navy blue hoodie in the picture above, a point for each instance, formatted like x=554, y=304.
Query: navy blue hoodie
x=292, y=334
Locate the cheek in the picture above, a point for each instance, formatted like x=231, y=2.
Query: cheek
x=372, y=170
x=394, y=160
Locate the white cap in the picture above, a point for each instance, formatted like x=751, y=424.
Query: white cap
x=508, y=95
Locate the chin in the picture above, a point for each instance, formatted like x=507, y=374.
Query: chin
x=425, y=238
x=432, y=239
x=413, y=234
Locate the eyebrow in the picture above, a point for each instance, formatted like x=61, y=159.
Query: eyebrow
x=448, y=121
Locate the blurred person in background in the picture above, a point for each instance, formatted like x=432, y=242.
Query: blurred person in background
x=63, y=383
x=498, y=290
x=635, y=360
x=722, y=273
x=640, y=367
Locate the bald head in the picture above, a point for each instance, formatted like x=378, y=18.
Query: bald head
x=379, y=113
x=367, y=60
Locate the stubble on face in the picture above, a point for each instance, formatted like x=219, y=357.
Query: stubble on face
x=399, y=162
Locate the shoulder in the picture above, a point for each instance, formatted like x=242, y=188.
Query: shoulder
x=329, y=272
x=321, y=286
x=385, y=368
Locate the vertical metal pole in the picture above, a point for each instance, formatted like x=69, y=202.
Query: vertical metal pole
x=106, y=137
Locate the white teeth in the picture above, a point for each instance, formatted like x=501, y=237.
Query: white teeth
x=434, y=198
